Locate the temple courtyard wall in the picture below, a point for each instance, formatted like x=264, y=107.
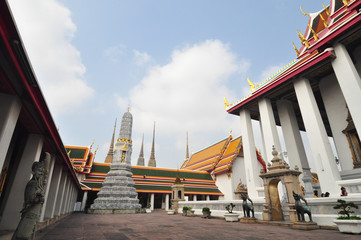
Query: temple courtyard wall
x=321, y=208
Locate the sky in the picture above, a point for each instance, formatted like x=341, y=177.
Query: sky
x=170, y=62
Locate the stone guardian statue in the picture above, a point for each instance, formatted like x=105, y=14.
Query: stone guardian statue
x=33, y=200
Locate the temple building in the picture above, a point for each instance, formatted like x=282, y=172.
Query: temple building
x=319, y=93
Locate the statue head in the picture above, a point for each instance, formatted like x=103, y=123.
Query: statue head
x=38, y=169
x=295, y=196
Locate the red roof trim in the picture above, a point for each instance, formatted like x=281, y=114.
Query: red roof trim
x=276, y=83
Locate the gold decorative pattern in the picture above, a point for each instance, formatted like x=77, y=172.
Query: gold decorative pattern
x=126, y=140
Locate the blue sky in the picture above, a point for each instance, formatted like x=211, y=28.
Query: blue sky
x=170, y=61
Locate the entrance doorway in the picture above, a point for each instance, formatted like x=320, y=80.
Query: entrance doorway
x=275, y=200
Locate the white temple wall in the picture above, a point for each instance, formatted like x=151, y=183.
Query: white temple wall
x=337, y=114
x=238, y=173
x=224, y=184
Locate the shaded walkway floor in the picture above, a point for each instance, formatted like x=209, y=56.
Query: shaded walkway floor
x=159, y=225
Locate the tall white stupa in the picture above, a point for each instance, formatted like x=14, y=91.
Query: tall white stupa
x=118, y=194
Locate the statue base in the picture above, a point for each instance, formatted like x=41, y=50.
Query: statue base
x=116, y=211
x=248, y=220
x=304, y=225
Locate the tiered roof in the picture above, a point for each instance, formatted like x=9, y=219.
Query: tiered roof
x=208, y=158
x=155, y=180
x=323, y=29
x=81, y=158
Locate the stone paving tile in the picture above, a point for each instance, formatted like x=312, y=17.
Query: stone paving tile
x=159, y=225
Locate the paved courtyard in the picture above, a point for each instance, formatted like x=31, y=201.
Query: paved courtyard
x=159, y=225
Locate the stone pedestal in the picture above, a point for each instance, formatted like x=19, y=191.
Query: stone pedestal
x=304, y=225
x=248, y=220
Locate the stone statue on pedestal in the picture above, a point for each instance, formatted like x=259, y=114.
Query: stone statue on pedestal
x=33, y=200
x=301, y=210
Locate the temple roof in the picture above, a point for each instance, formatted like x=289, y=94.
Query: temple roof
x=156, y=180
x=323, y=29
x=226, y=162
x=207, y=159
x=81, y=157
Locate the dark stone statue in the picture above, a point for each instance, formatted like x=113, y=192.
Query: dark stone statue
x=33, y=200
x=301, y=210
x=246, y=207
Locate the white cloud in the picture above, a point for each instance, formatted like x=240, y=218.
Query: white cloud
x=187, y=95
x=114, y=52
x=47, y=30
x=141, y=58
x=123, y=103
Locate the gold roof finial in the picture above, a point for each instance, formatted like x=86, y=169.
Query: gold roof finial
x=69, y=153
x=230, y=133
x=91, y=145
x=251, y=84
x=226, y=104
x=315, y=36
x=345, y=2
x=297, y=52
x=323, y=20
x=326, y=9
x=303, y=39
x=304, y=12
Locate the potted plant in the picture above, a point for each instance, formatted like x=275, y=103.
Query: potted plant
x=231, y=216
x=190, y=212
x=206, y=212
x=185, y=210
x=347, y=223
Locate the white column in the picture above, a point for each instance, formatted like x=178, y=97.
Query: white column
x=208, y=198
x=14, y=204
x=350, y=83
x=294, y=145
x=337, y=113
x=83, y=202
x=166, y=201
x=61, y=194
x=65, y=196
x=252, y=167
x=10, y=107
x=195, y=198
x=70, y=196
x=270, y=135
x=320, y=146
x=46, y=196
x=54, y=191
x=152, y=201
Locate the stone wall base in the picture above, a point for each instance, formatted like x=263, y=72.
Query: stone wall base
x=304, y=225
x=116, y=211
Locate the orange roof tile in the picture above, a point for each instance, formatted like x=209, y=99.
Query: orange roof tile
x=206, y=159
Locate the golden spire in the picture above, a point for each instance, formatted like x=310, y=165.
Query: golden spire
x=323, y=20
x=152, y=162
x=251, y=84
x=297, y=52
x=226, y=104
x=326, y=9
x=315, y=36
x=304, y=12
x=109, y=157
x=128, y=108
x=140, y=161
